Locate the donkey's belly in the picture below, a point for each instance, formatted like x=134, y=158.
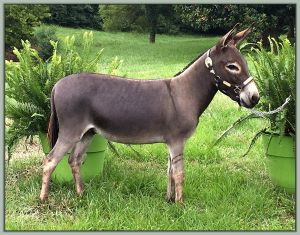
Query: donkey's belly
x=131, y=138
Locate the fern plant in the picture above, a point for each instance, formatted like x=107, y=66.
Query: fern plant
x=29, y=82
x=275, y=76
x=274, y=72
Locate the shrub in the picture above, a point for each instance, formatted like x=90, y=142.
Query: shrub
x=41, y=38
x=29, y=84
x=20, y=21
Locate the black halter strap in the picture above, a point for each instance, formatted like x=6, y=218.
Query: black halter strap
x=219, y=81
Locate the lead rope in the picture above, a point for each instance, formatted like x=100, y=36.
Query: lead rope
x=279, y=109
x=255, y=113
x=263, y=115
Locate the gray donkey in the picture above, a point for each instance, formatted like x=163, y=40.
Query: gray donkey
x=144, y=111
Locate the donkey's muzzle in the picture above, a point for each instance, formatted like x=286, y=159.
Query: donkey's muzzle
x=251, y=102
x=254, y=99
x=249, y=96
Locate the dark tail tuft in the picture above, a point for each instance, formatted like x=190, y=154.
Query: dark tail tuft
x=53, y=123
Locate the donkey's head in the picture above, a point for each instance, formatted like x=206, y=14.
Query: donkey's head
x=230, y=69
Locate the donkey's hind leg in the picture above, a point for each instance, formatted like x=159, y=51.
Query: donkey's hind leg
x=50, y=162
x=76, y=157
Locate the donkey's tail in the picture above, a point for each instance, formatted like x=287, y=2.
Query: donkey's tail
x=53, y=123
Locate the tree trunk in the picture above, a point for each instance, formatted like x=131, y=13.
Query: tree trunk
x=152, y=37
x=152, y=13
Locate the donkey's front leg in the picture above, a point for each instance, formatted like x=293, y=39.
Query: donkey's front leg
x=177, y=171
x=171, y=183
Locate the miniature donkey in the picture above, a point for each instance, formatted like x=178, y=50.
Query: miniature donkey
x=144, y=111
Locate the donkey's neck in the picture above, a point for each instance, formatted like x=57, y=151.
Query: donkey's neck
x=194, y=87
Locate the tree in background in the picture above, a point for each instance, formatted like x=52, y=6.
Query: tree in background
x=123, y=18
x=280, y=19
x=152, y=12
x=75, y=15
x=141, y=18
x=20, y=21
x=269, y=19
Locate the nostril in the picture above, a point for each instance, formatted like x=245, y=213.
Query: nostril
x=254, y=99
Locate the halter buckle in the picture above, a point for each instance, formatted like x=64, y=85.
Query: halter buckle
x=237, y=90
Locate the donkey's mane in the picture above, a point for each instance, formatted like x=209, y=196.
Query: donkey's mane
x=189, y=64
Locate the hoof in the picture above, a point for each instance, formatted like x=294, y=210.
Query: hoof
x=80, y=190
x=43, y=197
x=170, y=199
x=80, y=193
x=179, y=201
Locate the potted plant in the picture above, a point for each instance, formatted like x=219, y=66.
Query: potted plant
x=28, y=85
x=274, y=72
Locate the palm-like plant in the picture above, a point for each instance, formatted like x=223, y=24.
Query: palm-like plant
x=30, y=81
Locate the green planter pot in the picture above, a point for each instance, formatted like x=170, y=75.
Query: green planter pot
x=92, y=165
x=281, y=156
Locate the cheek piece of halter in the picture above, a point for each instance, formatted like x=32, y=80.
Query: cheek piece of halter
x=237, y=89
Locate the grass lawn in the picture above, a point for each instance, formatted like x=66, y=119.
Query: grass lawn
x=223, y=191
x=166, y=57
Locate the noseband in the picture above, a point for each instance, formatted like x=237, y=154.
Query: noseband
x=237, y=89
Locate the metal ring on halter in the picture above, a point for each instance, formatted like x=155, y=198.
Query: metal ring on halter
x=237, y=90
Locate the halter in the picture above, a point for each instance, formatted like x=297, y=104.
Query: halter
x=236, y=88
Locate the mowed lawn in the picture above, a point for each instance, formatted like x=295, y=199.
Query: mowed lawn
x=223, y=190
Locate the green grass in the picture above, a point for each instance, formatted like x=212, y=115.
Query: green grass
x=223, y=191
x=142, y=59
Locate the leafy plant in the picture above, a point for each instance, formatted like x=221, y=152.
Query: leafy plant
x=276, y=79
x=274, y=72
x=30, y=81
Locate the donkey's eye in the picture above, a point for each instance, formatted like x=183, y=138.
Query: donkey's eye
x=232, y=67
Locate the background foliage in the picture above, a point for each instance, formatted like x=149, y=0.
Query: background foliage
x=75, y=15
x=140, y=18
x=269, y=19
x=20, y=21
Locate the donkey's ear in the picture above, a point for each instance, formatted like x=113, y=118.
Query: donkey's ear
x=241, y=35
x=227, y=37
